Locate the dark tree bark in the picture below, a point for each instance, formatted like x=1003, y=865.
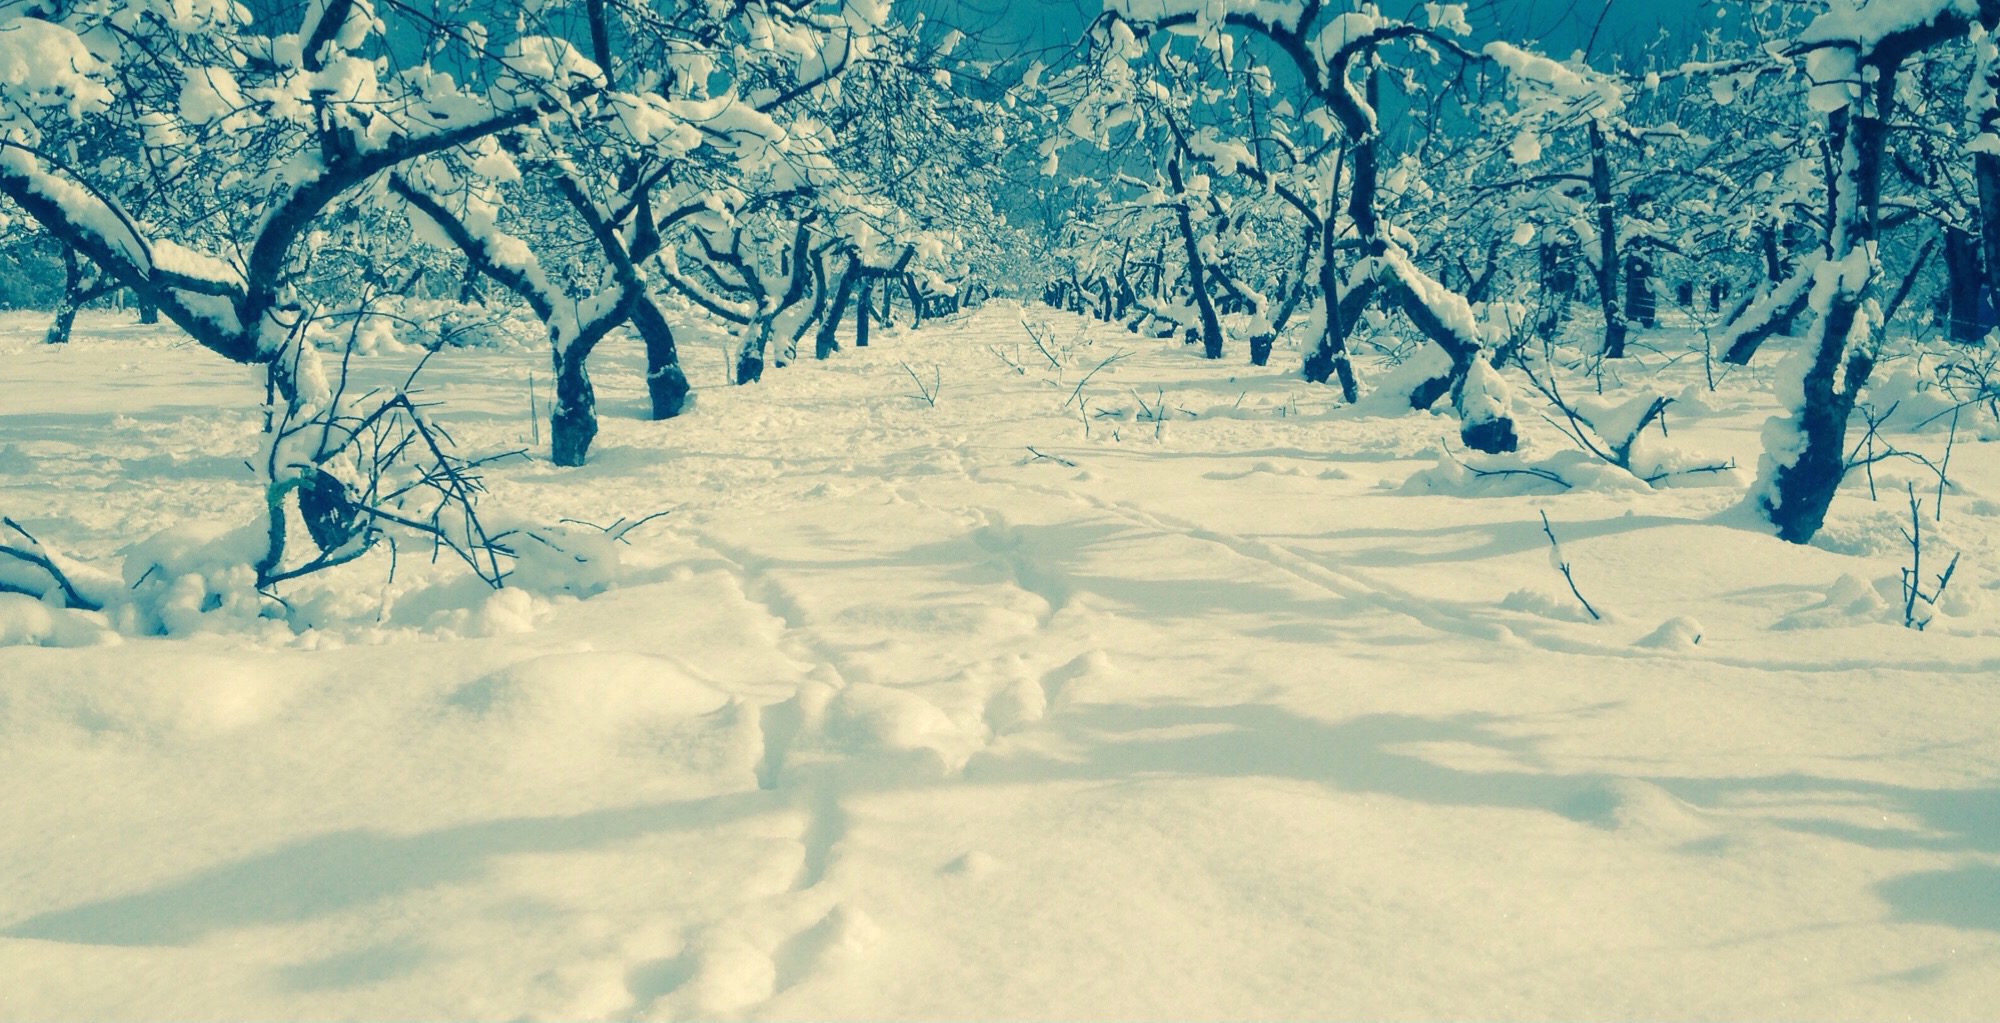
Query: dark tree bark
x=66, y=307
x=1211, y=325
x=863, y=310
x=1986, y=171
x=1640, y=304
x=1329, y=358
x=666, y=383
x=1963, y=284
x=750, y=357
x=1776, y=269
x=573, y=419
x=916, y=300
x=1294, y=289
x=828, y=341
x=468, y=288
x=1774, y=314
x=1801, y=491
x=1607, y=244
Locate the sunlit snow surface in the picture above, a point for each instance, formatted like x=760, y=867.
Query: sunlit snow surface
x=1265, y=710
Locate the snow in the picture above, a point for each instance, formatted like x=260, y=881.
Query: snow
x=1871, y=22
x=27, y=621
x=210, y=94
x=1484, y=396
x=43, y=64
x=1597, y=94
x=1449, y=17
x=890, y=717
x=1526, y=147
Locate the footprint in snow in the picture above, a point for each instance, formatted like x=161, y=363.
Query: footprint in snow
x=723, y=973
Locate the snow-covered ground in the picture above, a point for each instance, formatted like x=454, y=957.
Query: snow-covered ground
x=1017, y=705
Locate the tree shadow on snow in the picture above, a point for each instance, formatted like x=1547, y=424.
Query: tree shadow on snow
x=1362, y=754
x=1473, y=541
x=1966, y=897
x=1377, y=754
x=339, y=870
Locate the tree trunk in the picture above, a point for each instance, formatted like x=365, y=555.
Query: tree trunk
x=863, y=311
x=1777, y=269
x=468, y=289
x=1211, y=326
x=1808, y=458
x=666, y=383
x=1607, y=244
x=750, y=357
x=916, y=300
x=1640, y=304
x=818, y=313
x=1962, y=284
x=1494, y=433
x=72, y=297
x=1329, y=358
x=1986, y=169
x=828, y=341
x=573, y=417
x=1294, y=287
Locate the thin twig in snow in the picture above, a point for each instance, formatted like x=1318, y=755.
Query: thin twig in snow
x=1053, y=458
x=1562, y=566
x=1086, y=377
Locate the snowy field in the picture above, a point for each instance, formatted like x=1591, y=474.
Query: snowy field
x=1176, y=691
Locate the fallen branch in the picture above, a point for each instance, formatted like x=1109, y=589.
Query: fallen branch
x=35, y=554
x=1042, y=345
x=617, y=529
x=1479, y=473
x=1086, y=377
x=1038, y=456
x=1556, y=555
x=927, y=394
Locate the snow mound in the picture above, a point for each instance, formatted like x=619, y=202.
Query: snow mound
x=195, y=577
x=865, y=717
x=1850, y=600
x=1543, y=605
x=505, y=612
x=1391, y=394
x=25, y=621
x=581, y=562
x=1512, y=475
x=1673, y=634
x=587, y=689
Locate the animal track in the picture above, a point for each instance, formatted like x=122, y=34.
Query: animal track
x=826, y=825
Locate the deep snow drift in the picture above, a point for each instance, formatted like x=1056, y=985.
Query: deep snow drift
x=1179, y=693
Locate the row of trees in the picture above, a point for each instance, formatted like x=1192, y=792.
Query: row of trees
x=1222, y=171
x=261, y=178
x=1257, y=167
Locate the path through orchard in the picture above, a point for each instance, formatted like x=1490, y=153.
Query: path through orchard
x=1146, y=687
